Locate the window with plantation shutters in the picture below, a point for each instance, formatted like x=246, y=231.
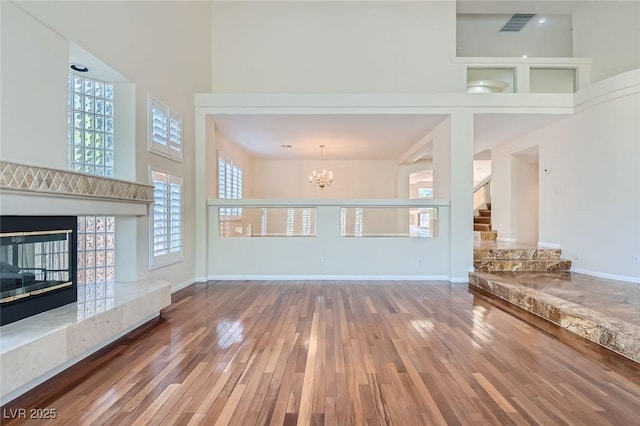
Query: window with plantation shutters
x=166, y=223
x=165, y=130
x=229, y=184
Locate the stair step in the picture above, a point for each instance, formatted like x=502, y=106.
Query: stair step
x=485, y=212
x=482, y=219
x=488, y=206
x=490, y=254
x=523, y=265
x=488, y=235
x=481, y=227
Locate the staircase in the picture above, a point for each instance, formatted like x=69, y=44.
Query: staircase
x=496, y=257
x=519, y=260
x=482, y=224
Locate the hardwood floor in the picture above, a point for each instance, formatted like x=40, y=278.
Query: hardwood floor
x=338, y=353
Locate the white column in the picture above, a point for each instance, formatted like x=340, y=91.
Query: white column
x=461, y=195
x=127, y=267
x=202, y=229
x=523, y=76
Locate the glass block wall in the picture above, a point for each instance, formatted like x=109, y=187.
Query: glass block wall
x=91, y=150
x=90, y=122
x=96, y=264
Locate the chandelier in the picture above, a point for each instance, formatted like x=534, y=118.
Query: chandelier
x=323, y=177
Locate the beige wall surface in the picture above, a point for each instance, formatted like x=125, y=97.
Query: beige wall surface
x=335, y=47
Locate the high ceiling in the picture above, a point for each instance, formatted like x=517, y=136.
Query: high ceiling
x=346, y=137
x=361, y=137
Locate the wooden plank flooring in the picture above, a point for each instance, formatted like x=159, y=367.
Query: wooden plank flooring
x=339, y=353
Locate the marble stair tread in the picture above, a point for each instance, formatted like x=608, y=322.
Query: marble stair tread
x=606, y=312
x=515, y=253
x=522, y=265
x=485, y=236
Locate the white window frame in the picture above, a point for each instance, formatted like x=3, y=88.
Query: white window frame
x=171, y=256
x=165, y=130
x=233, y=189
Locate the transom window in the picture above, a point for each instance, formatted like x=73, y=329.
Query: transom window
x=165, y=130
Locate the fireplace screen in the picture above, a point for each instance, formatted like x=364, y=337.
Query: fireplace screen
x=33, y=263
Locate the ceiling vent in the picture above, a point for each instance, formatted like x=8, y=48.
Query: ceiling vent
x=516, y=22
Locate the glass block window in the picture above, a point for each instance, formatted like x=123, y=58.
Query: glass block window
x=96, y=249
x=165, y=130
x=166, y=223
x=229, y=184
x=90, y=134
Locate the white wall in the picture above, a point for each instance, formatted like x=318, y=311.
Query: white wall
x=335, y=47
x=162, y=48
x=524, y=199
x=34, y=63
x=329, y=256
x=590, y=197
x=548, y=80
x=352, y=179
x=608, y=32
x=479, y=35
x=441, y=159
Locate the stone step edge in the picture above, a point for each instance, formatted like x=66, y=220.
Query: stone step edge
x=510, y=254
x=522, y=265
x=618, y=336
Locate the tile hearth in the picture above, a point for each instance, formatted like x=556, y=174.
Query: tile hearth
x=33, y=348
x=606, y=312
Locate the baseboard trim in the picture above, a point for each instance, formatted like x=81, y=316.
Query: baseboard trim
x=542, y=244
x=335, y=278
x=183, y=284
x=506, y=239
x=626, y=278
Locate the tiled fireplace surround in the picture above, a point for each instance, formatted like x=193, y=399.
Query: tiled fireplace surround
x=36, y=348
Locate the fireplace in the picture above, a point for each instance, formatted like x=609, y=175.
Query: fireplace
x=37, y=265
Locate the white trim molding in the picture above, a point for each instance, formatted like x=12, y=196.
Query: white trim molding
x=542, y=244
x=626, y=278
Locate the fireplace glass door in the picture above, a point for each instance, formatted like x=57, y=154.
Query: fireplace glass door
x=33, y=263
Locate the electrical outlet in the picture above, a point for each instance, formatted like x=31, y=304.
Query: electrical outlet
x=419, y=261
x=636, y=258
x=578, y=255
x=321, y=260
